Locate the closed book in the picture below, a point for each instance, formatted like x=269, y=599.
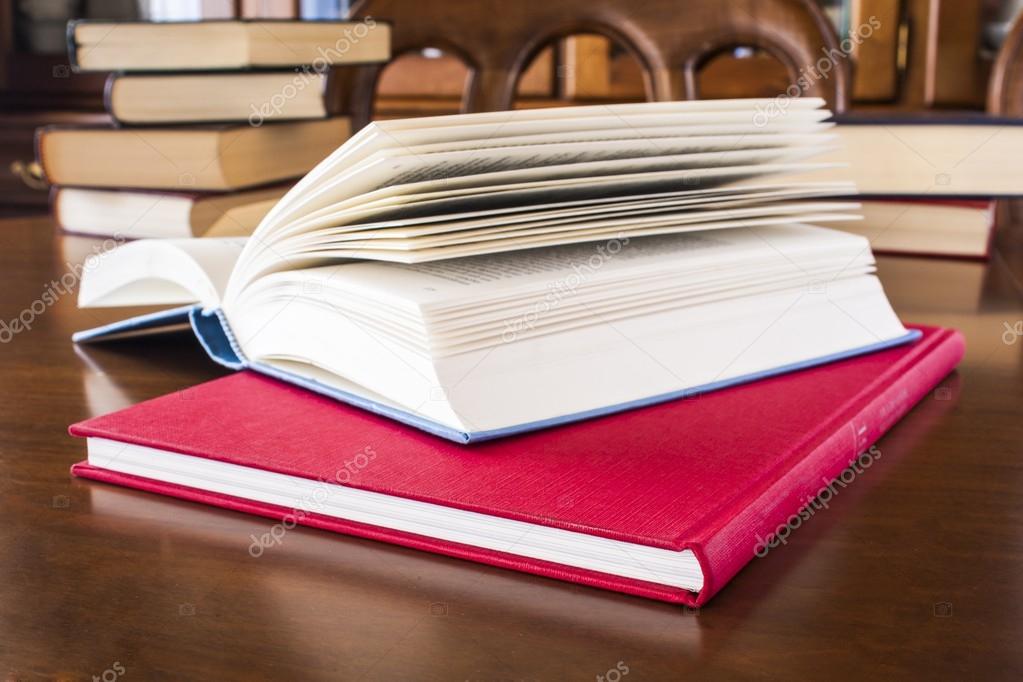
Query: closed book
x=667, y=502
x=254, y=97
x=193, y=158
x=926, y=226
x=231, y=44
x=153, y=214
x=934, y=155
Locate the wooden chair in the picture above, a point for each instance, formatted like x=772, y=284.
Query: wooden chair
x=1005, y=92
x=1005, y=98
x=671, y=39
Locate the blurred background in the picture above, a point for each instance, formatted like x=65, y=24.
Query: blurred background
x=931, y=55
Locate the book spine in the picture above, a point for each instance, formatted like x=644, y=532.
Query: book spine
x=149, y=323
x=331, y=93
x=72, y=46
x=76, y=66
x=215, y=336
x=752, y=530
x=335, y=89
x=41, y=158
x=55, y=211
x=925, y=119
x=108, y=98
x=992, y=226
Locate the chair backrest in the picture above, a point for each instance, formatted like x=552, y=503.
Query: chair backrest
x=671, y=39
x=1005, y=92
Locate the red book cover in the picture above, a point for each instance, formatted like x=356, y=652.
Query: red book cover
x=717, y=474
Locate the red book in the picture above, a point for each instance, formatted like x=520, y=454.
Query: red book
x=667, y=502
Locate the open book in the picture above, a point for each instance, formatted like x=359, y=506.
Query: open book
x=484, y=274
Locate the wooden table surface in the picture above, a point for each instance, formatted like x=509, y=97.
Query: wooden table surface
x=916, y=571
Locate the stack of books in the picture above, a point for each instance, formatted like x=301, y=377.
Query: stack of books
x=213, y=122
x=928, y=184
x=601, y=344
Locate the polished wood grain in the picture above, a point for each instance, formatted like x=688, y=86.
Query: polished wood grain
x=915, y=571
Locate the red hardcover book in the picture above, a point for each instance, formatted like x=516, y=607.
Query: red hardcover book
x=667, y=502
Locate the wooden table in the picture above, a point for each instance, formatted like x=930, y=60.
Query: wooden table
x=914, y=572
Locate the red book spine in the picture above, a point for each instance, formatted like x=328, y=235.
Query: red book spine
x=723, y=551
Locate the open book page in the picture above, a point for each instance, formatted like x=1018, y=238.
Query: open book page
x=453, y=170
x=774, y=133
x=625, y=218
x=412, y=167
x=595, y=111
x=456, y=327
x=262, y=255
x=404, y=135
x=505, y=149
x=367, y=251
x=477, y=279
x=159, y=272
x=383, y=209
x=702, y=137
x=524, y=129
x=414, y=223
x=610, y=362
x=724, y=339
x=616, y=119
x=437, y=213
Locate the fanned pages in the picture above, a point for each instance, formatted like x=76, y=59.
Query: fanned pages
x=483, y=274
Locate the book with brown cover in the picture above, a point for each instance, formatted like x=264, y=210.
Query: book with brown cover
x=186, y=158
x=240, y=44
x=254, y=97
x=157, y=214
